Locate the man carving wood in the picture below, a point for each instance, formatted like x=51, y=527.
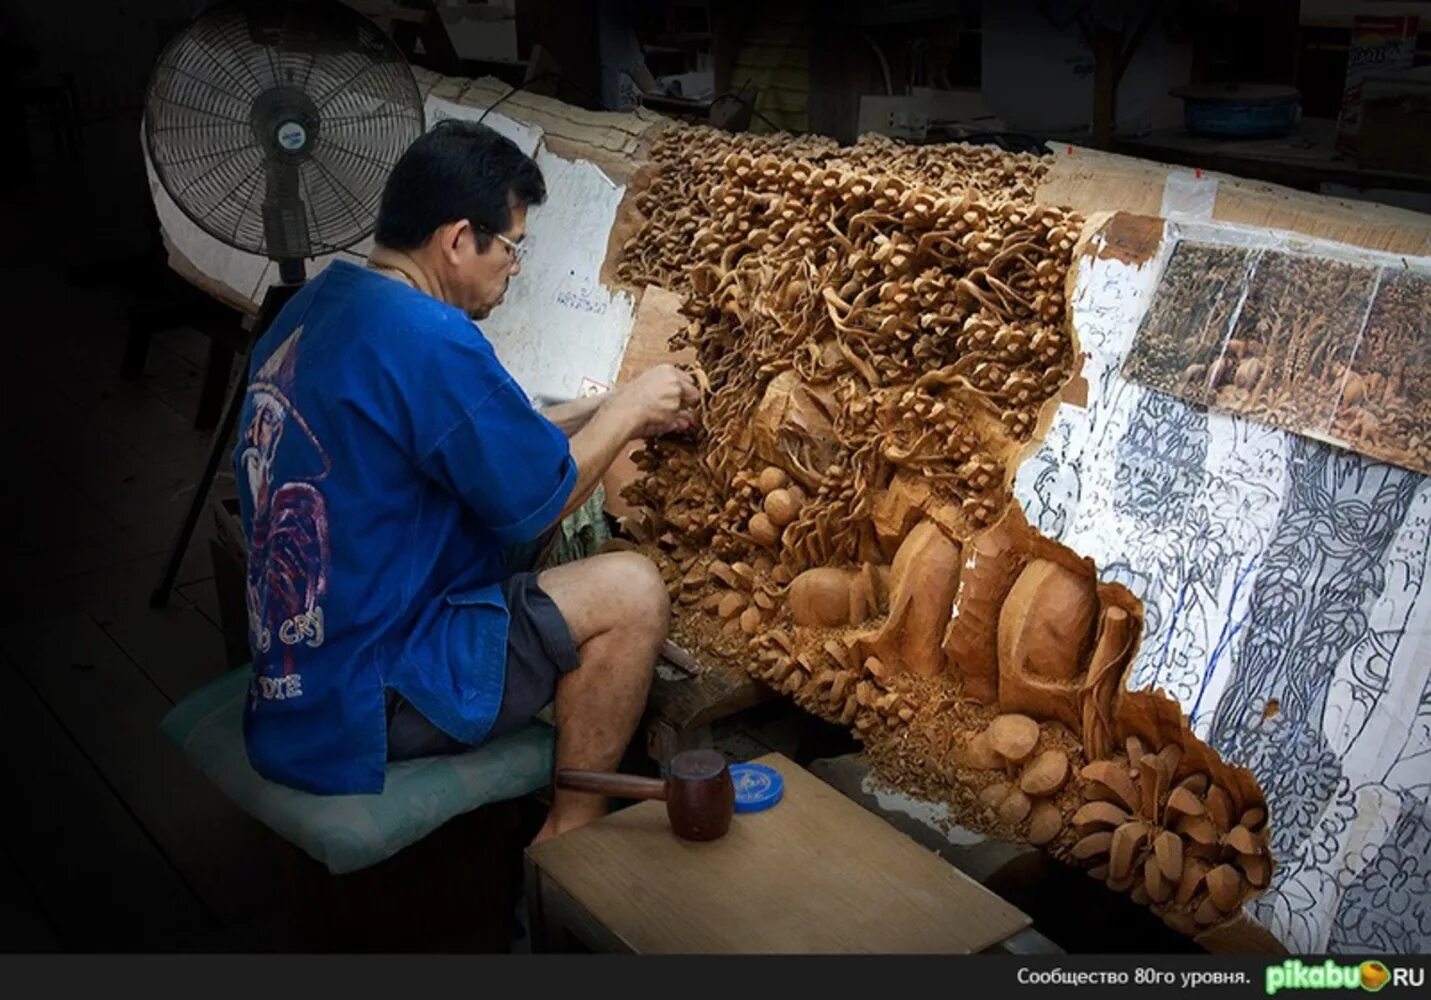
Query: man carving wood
x=395, y=485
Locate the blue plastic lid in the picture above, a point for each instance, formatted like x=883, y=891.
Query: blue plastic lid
x=757, y=787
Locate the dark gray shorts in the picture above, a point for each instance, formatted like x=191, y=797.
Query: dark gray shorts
x=540, y=650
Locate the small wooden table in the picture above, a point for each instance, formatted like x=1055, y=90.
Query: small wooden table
x=814, y=874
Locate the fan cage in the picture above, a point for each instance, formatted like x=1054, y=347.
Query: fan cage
x=212, y=139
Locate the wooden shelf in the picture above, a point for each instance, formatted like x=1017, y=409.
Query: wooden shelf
x=1305, y=159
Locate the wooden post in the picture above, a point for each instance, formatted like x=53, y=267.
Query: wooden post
x=1106, y=59
x=1110, y=59
x=421, y=22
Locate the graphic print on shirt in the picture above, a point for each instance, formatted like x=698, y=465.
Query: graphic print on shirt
x=288, y=553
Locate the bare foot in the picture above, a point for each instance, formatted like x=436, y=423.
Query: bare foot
x=585, y=809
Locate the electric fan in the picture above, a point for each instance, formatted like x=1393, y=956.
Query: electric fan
x=273, y=125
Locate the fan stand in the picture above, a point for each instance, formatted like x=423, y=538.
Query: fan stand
x=289, y=122
x=290, y=280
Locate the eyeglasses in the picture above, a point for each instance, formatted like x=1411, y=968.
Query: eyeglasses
x=514, y=250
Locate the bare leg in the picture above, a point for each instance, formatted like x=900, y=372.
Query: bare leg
x=617, y=609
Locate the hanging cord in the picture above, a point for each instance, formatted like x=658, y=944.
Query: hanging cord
x=741, y=100
x=732, y=95
x=550, y=74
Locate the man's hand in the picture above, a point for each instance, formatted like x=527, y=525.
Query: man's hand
x=660, y=401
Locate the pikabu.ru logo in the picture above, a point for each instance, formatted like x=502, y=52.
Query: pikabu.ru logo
x=1369, y=976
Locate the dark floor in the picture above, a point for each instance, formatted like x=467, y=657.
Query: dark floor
x=110, y=840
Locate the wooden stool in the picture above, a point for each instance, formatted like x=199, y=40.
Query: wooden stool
x=453, y=891
x=429, y=862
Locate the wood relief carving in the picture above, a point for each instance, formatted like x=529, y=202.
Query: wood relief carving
x=881, y=333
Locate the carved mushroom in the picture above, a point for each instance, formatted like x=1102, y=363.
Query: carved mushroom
x=1045, y=823
x=771, y=479
x=1013, y=737
x=1045, y=774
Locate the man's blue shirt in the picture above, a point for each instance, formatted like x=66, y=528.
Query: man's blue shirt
x=385, y=460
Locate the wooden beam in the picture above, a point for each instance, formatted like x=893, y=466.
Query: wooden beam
x=1106, y=57
x=424, y=24
x=1111, y=57
x=392, y=11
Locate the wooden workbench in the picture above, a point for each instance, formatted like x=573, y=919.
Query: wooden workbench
x=814, y=874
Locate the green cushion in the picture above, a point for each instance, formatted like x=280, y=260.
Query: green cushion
x=350, y=832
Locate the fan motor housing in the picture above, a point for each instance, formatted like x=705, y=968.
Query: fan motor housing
x=286, y=121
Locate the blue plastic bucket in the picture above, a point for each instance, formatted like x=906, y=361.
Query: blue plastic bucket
x=1239, y=111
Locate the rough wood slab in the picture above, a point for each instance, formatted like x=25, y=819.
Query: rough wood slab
x=815, y=874
x=706, y=693
x=1090, y=180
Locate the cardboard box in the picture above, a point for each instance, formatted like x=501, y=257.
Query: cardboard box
x=1378, y=45
x=1396, y=122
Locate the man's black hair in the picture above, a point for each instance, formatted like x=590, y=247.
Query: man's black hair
x=458, y=170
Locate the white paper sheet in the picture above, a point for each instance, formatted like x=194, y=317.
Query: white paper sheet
x=1274, y=568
